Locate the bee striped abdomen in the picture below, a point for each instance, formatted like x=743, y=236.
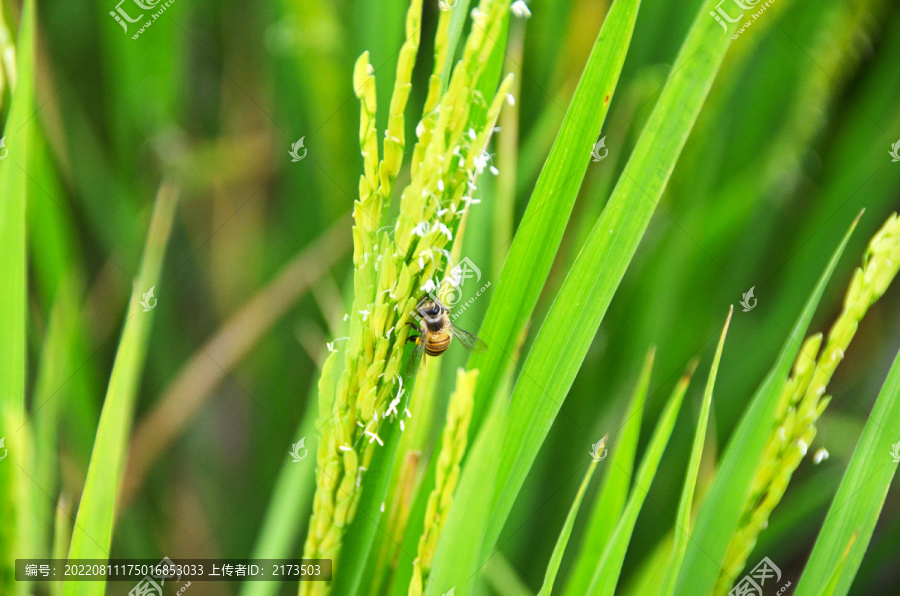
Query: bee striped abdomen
x=437, y=343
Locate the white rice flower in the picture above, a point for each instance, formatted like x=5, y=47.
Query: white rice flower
x=520, y=9
x=443, y=229
x=820, y=456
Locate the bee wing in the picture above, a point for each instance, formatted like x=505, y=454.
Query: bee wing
x=415, y=359
x=471, y=342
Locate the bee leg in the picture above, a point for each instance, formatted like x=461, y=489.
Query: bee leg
x=414, y=338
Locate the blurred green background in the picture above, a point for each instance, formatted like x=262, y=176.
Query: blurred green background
x=792, y=143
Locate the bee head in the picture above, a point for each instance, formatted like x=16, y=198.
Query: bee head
x=431, y=310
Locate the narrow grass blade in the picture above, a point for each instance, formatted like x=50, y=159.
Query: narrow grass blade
x=62, y=536
x=683, y=520
x=540, y=232
x=860, y=497
x=560, y=548
x=720, y=513
x=606, y=575
x=53, y=370
x=291, y=497
x=609, y=504
x=92, y=534
x=18, y=133
x=458, y=15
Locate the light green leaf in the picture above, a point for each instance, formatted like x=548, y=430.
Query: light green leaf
x=539, y=234
x=18, y=133
x=683, y=521
x=458, y=15
x=560, y=346
x=92, y=534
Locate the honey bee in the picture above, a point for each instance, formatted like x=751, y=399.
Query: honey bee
x=435, y=333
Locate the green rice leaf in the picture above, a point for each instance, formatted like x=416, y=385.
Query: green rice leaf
x=539, y=234
x=560, y=548
x=19, y=136
x=683, y=521
x=830, y=588
x=606, y=575
x=720, y=513
x=560, y=346
x=860, y=497
x=92, y=534
x=611, y=500
x=458, y=15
